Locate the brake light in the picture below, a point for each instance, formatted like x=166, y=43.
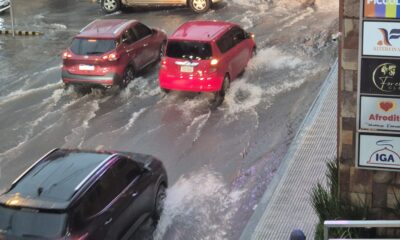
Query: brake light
x=83, y=237
x=163, y=63
x=111, y=57
x=66, y=55
x=214, y=62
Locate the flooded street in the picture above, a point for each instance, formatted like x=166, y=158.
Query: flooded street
x=220, y=162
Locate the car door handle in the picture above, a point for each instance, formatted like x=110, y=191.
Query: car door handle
x=108, y=221
x=129, y=50
x=134, y=194
x=145, y=45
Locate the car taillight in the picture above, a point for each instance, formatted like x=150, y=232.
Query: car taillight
x=214, y=62
x=111, y=57
x=66, y=55
x=213, y=65
x=83, y=237
x=163, y=63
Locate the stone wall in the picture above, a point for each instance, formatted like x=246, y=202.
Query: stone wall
x=379, y=189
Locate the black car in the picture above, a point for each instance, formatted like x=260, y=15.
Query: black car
x=74, y=194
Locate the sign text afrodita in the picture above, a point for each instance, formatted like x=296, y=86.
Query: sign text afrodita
x=380, y=113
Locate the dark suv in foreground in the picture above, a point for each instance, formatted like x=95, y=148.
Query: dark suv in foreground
x=73, y=194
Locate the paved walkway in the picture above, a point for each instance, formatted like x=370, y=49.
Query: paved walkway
x=286, y=204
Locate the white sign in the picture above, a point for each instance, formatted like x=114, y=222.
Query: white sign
x=381, y=39
x=380, y=113
x=379, y=151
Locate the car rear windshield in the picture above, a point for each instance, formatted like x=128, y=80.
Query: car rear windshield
x=83, y=46
x=32, y=223
x=189, y=50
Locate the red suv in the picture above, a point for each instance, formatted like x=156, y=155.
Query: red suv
x=205, y=56
x=110, y=52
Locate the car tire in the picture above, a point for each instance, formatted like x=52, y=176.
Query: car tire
x=66, y=86
x=220, y=95
x=129, y=75
x=254, y=52
x=110, y=6
x=159, y=203
x=199, y=6
x=164, y=90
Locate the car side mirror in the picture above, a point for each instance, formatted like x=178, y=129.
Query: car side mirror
x=249, y=35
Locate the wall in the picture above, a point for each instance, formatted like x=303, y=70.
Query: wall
x=378, y=189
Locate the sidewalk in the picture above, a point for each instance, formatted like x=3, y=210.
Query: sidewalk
x=286, y=205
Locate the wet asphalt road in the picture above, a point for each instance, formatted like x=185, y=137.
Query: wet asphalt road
x=219, y=162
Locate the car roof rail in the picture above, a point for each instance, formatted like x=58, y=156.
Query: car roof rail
x=123, y=25
x=32, y=166
x=95, y=170
x=83, y=29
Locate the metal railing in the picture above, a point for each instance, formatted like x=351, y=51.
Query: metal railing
x=359, y=224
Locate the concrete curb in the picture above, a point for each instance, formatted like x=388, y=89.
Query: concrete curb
x=19, y=32
x=266, y=198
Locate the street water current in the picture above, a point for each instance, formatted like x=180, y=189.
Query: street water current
x=220, y=162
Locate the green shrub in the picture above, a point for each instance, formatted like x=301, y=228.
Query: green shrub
x=329, y=206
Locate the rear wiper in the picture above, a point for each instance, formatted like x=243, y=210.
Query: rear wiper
x=94, y=53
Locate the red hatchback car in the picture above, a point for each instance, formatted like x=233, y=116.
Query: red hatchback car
x=205, y=56
x=110, y=52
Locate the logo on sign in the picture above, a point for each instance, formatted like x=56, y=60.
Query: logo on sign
x=387, y=106
x=383, y=77
x=387, y=36
x=384, y=156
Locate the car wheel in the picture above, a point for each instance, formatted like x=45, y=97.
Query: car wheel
x=110, y=6
x=66, y=86
x=159, y=203
x=199, y=6
x=128, y=76
x=164, y=90
x=254, y=52
x=220, y=95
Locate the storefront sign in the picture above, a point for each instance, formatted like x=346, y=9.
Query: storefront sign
x=380, y=76
x=380, y=113
x=381, y=39
x=377, y=151
x=382, y=8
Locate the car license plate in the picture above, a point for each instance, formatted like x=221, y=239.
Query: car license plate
x=187, y=69
x=86, y=67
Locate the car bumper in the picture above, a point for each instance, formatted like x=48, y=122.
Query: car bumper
x=106, y=80
x=194, y=84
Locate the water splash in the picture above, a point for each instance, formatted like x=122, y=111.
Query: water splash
x=242, y=96
x=273, y=58
x=199, y=206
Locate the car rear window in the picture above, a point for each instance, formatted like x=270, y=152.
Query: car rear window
x=189, y=50
x=83, y=46
x=31, y=223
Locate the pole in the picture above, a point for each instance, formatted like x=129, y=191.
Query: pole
x=12, y=18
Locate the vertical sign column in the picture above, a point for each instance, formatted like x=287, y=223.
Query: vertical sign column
x=378, y=114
